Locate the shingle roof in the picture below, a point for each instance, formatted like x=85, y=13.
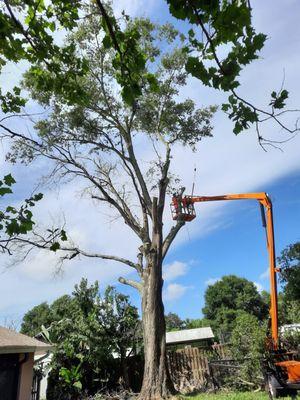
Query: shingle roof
x=189, y=335
x=14, y=342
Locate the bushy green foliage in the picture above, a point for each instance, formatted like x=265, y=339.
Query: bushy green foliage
x=91, y=334
x=290, y=340
x=174, y=322
x=248, y=346
x=27, y=35
x=228, y=298
x=34, y=319
x=197, y=323
x=224, y=25
x=28, y=28
x=289, y=261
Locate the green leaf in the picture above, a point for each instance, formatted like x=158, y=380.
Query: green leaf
x=11, y=209
x=196, y=68
x=127, y=95
x=225, y=107
x=63, y=235
x=78, y=385
x=38, y=197
x=5, y=190
x=52, y=26
x=9, y=180
x=191, y=33
x=274, y=95
x=55, y=246
x=107, y=43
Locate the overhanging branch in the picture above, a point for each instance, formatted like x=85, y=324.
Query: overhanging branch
x=71, y=252
x=76, y=251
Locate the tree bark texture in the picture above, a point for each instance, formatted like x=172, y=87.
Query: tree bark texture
x=157, y=383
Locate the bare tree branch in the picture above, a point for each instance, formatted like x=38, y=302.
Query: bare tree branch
x=130, y=282
x=45, y=244
x=76, y=251
x=171, y=236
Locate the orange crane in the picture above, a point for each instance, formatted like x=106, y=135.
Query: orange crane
x=283, y=375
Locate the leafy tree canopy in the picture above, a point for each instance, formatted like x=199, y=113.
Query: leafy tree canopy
x=34, y=319
x=197, y=323
x=174, y=322
x=288, y=310
x=28, y=28
x=87, y=331
x=227, y=298
x=289, y=261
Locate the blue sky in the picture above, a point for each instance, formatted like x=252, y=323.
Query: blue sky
x=225, y=238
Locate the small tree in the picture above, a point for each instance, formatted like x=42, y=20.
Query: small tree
x=225, y=299
x=197, y=323
x=121, y=324
x=45, y=314
x=174, y=322
x=34, y=319
x=93, y=336
x=248, y=347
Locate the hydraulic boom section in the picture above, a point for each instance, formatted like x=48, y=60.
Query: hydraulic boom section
x=183, y=210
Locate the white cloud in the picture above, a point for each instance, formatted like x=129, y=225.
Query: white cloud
x=33, y=281
x=174, y=270
x=174, y=291
x=134, y=8
x=264, y=275
x=259, y=286
x=211, y=281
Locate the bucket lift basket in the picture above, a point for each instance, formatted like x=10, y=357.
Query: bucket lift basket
x=182, y=208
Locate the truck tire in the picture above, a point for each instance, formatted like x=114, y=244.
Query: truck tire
x=273, y=387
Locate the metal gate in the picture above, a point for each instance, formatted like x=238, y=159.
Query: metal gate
x=36, y=384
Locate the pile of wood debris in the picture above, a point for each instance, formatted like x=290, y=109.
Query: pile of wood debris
x=114, y=395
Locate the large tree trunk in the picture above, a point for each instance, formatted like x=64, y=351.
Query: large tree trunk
x=156, y=382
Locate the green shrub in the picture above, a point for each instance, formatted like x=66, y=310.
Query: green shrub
x=248, y=347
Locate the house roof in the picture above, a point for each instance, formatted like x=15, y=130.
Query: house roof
x=14, y=342
x=189, y=335
x=290, y=328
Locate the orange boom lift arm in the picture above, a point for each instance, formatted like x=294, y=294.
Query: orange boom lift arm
x=183, y=210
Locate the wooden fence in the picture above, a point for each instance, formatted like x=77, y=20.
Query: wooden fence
x=189, y=367
x=221, y=351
